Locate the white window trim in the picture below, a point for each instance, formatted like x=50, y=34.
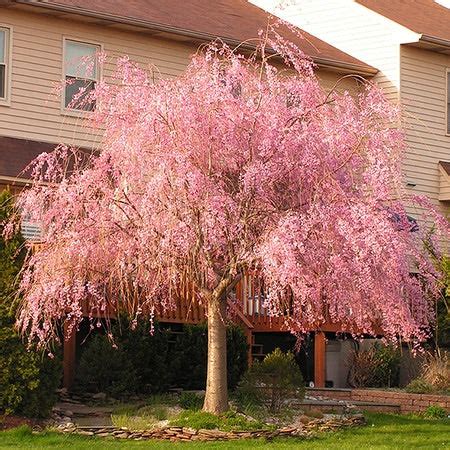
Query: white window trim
x=8, y=72
x=68, y=111
x=447, y=103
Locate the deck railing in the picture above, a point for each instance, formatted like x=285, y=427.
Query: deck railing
x=248, y=304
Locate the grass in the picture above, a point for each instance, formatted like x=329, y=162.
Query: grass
x=229, y=421
x=383, y=432
x=141, y=416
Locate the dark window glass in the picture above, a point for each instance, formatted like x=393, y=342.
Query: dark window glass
x=78, y=94
x=2, y=81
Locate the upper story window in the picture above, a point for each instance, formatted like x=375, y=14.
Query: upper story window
x=4, y=62
x=81, y=73
x=448, y=102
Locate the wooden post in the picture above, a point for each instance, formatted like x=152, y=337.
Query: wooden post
x=250, y=347
x=319, y=359
x=69, y=356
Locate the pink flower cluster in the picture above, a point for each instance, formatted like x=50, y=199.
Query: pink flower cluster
x=233, y=166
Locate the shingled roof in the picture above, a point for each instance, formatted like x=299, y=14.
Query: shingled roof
x=426, y=17
x=201, y=20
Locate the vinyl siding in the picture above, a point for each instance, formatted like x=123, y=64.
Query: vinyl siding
x=37, y=69
x=423, y=97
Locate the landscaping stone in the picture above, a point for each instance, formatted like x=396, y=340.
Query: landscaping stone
x=188, y=434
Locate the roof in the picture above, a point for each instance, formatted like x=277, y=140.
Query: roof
x=16, y=154
x=446, y=166
x=232, y=20
x=421, y=16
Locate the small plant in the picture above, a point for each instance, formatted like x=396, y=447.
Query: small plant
x=191, y=401
x=435, y=412
x=435, y=375
x=378, y=366
x=136, y=417
x=271, y=382
x=436, y=371
x=419, y=386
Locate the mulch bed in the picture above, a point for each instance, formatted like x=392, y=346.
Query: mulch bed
x=8, y=421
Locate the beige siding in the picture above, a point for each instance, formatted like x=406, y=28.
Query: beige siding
x=423, y=96
x=35, y=111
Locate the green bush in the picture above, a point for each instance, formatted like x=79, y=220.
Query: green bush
x=435, y=412
x=28, y=379
x=191, y=401
x=270, y=382
x=378, y=366
x=148, y=363
x=189, y=355
x=147, y=353
x=103, y=368
x=188, y=358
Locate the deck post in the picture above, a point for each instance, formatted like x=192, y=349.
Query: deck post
x=319, y=359
x=249, y=335
x=69, y=356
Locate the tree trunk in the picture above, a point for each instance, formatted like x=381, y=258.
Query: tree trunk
x=216, y=399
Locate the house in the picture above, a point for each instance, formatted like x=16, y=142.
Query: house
x=37, y=41
x=408, y=41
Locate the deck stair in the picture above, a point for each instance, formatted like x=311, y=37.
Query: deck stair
x=257, y=350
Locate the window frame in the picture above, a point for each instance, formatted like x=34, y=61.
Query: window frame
x=71, y=111
x=6, y=101
x=447, y=102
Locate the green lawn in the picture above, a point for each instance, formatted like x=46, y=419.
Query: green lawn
x=383, y=431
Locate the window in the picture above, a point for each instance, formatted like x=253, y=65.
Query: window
x=4, y=63
x=31, y=231
x=448, y=102
x=81, y=73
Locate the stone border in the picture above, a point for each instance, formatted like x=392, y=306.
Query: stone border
x=188, y=434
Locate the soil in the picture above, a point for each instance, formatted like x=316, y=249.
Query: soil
x=7, y=422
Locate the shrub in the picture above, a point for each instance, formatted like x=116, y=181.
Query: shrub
x=419, y=386
x=147, y=353
x=103, y=368
x=189, y=356
x=28, y=379
x=435, y=412
x=436, y=371
x=378, y=366
x=271, y=382
x=191, y=401
x=146, y=363
x=434, y=377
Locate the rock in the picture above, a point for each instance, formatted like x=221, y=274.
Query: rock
x=304, y=419
x=85, y=433
x=121, y=435
x=99, y=396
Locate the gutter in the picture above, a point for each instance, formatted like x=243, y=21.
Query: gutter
x=434, y=41
x=325, y=63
